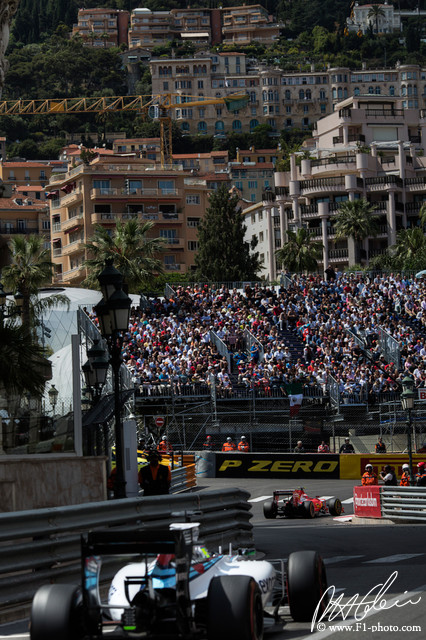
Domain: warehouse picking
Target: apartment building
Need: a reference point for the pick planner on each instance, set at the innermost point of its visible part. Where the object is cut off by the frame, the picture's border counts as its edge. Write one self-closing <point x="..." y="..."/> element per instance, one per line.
<point x="102" y="27"/>
<point x="150" y="29"/>
<point x="252" y="178"/>
<point x="244" y="25"/>
<point x="212" y="162"/>
<point x="148" y="148"/>
<point x="22" y="214"/>
<point x="119" y="187"/>
<point x="240" y="25"/>
<point x="28" y="173"/>
<point x="370" y="147"/>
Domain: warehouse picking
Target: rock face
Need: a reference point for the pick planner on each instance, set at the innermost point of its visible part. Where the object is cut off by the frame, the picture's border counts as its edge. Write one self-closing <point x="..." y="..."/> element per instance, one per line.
<point x="7" y="10"/>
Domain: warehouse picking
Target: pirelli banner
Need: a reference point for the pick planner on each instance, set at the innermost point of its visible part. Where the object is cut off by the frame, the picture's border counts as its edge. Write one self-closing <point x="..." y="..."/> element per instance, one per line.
<point x="352" y="466"/>
<point x="277" y="465"/>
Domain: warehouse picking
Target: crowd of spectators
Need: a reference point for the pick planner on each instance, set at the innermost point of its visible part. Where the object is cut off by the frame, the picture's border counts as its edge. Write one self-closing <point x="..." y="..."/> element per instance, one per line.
<point x="169" y="345"/>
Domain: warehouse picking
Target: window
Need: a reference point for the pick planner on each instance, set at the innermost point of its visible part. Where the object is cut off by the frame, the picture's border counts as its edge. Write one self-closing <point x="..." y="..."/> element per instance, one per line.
<point x="169" y="235"/>
<point x="202" y="127"/>
<point x="192" y="222"/>
<point x="193" y="199"/>
<point x="167" y="187"/>
<point x="219" y="126"/>
<point x="253" y="124"/>
<point x="165" y="86"/>
<point x="252" y="184"/>
<point x="200" y="84"/>
<point x="261" y="236"/>
<point x="391" y="91"/>
<point x="184" y="126"/>
<point x="236" y="125"/>
<point x="192" y="245"/>
<point x="102" y="185"/>
<point x="305" y="108"/>
<point x="133" y="186"/>
<point x="288" y="109"/>
<point x="322" y="94"/>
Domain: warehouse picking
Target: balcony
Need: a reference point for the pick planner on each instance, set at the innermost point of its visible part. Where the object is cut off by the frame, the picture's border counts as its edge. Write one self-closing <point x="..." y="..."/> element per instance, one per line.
<point x="72" y="223"/>
<point x="72" y="197"/>
<point x="73" y="247"/>
<point x="173" y="243"/>
<point x="322" y="185"/>
<point x="73" y="275"/>
<point x="415" y="184"/>
<point x="173" y="267"/>
<point x="56" y="227"/>
<point x="415" y="139"/>
<point x="338" y="254"/>
<point x="356" y="137"/>
<point x="56" y="253"/>
<point x="282" y="191"/>
<point x="383" y="182"/>
<point x="335" y="160"/>
<point x="138" y="193"/>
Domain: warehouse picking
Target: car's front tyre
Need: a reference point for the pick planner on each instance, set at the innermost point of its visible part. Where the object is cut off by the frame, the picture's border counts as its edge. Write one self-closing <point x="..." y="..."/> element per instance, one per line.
<point x="334" y="506"/>
<point x="306" y="585"/>
<point x="234" y="609"/>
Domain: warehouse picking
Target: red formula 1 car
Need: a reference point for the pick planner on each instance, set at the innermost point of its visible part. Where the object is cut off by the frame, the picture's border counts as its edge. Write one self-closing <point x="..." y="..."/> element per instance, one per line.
<point x="295" y="503"/>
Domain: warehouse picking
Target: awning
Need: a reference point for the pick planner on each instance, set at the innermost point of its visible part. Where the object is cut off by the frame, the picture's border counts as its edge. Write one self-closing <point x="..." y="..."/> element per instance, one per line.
<point x="53" y="194"/>
<point x="56" y="240"/>
<point x="195" y="34"/>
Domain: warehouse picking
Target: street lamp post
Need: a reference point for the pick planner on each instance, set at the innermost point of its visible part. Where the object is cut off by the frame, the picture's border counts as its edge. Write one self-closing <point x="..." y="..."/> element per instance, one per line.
<point x="95" y="372"/>
<point x="113" y="312"/>
<point x="407" y="401"/>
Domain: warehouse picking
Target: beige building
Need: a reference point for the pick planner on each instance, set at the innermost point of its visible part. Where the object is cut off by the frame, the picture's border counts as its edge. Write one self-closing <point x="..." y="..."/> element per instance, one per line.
<point x="370" y="147"/>
<point x="243" y="25"/>
<point x="201" y="26"/>
<point x="28" y="172"/>
<point x="22" y="215"/>
<point x="102" y="27"/>
<point x="119" y="187"/>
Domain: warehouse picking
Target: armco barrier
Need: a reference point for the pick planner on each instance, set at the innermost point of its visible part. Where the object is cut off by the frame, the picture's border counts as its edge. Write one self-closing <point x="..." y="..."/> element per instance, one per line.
<point x="43" y="546"/>
<point x="404" y="503"/>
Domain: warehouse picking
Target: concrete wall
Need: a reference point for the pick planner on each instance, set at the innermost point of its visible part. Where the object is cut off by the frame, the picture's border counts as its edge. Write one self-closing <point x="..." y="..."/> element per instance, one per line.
<point x="39" y="482"/>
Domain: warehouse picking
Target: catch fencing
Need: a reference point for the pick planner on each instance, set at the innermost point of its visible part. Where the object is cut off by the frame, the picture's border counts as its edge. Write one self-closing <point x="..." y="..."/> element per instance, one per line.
<point x="43" y="546"/>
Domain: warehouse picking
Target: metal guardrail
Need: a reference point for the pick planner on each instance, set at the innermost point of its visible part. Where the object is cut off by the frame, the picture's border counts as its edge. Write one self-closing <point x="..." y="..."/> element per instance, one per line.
<point x="221" y="347"/>
<point x="249" y="340"/>
<point x="389" y="347"/>
<point x="43" y="546"/>
<point x="404" y="503"/>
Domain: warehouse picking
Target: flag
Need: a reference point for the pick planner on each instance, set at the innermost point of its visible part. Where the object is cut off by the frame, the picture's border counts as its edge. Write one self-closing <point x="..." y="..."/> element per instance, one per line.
<point x="295" y="395"/>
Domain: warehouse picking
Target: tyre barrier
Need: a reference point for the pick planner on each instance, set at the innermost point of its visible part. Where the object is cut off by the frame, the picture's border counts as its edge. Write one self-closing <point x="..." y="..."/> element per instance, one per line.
<point x="43" y="546"/>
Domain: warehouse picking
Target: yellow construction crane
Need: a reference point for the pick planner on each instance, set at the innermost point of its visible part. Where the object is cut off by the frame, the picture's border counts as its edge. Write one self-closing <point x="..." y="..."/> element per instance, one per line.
<point x="156" y="106"/>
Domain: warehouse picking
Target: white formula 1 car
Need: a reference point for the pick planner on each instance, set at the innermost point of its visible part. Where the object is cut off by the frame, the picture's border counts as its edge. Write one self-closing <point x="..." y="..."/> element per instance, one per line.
<point x="173" y="588"/>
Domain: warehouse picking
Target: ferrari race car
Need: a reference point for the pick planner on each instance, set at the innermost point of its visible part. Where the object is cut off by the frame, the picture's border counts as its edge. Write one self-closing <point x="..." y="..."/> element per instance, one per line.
<point x="171" y="587"/>
<point x="295" y="503"/>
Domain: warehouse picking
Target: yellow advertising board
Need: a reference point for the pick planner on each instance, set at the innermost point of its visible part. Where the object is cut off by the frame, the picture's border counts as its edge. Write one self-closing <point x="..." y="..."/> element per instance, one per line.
<point x="352" y="465"/>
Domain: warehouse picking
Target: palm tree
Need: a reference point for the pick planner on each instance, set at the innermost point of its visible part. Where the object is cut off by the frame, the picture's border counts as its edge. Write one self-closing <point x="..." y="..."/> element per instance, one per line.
<point x="30" y="269"/>
<point x="355" y="220"/>
<point x="409" y="244"/>
<point x="132" y="251"/>
<point x="422" y="214"/>
<point x="376" y="12"/>
<point x="20" y="359"/>
<point x="300" y="253"/>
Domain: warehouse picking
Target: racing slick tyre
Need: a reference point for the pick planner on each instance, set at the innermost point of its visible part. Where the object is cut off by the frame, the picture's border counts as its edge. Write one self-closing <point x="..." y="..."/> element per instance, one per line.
<point x="270" y="509"/>
<point x="308" y="509"/>
<point x="306" y="585"/>
<point x="57" y="613"/>
<point x="334" y="506"/>
<point x="234" y="609"/>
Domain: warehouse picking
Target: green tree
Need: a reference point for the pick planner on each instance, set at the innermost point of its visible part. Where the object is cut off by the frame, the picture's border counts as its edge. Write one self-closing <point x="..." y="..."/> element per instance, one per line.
<point x="133" y="252"/>
<point x="223" y="254"/>
<point x="301" y="252"/>
<point x="422" y="214"/>
<point x="376" y="12"/>
<point x="355" y="220"/>
<point x="30" y="269"/>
